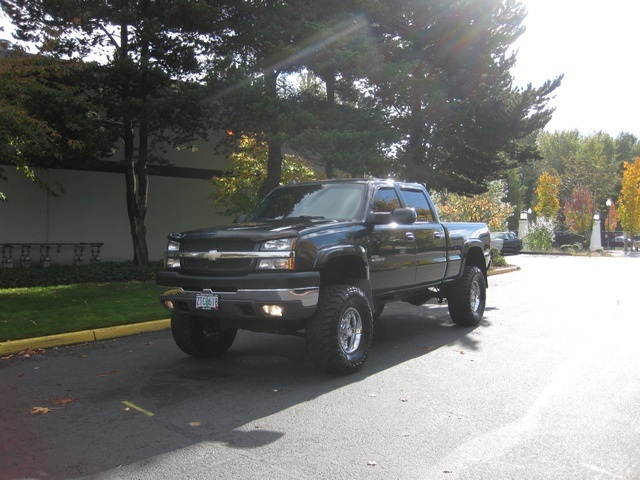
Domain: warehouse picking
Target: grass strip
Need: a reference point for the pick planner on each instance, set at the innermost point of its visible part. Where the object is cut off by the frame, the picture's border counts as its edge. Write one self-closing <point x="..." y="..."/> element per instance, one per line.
<point x="39" y="311"/>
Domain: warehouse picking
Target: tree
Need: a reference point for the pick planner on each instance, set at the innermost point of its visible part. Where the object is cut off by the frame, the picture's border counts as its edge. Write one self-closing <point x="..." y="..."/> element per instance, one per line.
<point x="151" y="51"/>
<point x="593" y="166"/>
<point x="548" y="201"/>
<point x="237" y="192"/>
<point x="449" y="93"/>
<point x="45" y="120"/>
<point x="578" y="211"/>
<point x="487" y="207"/>
<point x="630" y="198"/>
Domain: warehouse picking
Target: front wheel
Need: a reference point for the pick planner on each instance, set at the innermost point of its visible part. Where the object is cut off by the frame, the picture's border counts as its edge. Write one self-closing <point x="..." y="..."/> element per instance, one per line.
<point x="338" y="335"/>
<point x="199" y="338"/>
<point x="468" y="298"/>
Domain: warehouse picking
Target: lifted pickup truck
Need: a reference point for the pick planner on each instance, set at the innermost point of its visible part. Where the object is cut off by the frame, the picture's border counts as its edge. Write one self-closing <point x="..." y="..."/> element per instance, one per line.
<point x="321" y="260"/>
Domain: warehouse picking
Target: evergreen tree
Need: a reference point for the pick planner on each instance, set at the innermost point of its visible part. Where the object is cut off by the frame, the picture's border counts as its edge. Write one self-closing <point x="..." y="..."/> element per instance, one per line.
<point x="449" y="91"/>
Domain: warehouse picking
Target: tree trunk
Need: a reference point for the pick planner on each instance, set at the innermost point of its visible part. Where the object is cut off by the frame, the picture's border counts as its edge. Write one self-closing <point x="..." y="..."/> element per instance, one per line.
<point x="330" y="82"/>
<point x="274" y="159"/>
<point x="136" y="176"/>
<point x="137" y="183"/>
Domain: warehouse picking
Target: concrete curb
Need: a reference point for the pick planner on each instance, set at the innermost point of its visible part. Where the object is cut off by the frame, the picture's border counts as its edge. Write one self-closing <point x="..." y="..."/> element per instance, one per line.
<point x="498" y="271"/>
<point x="16" y="346"/>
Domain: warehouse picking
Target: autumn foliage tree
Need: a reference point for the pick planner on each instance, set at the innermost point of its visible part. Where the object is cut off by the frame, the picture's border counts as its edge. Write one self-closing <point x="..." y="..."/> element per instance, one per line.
<point x="630" y="198"/>
<point x="548" y="192"/>
<point x="578" y="210"/>
<point x="237" y="191"/>
<point x="487" y="207"/>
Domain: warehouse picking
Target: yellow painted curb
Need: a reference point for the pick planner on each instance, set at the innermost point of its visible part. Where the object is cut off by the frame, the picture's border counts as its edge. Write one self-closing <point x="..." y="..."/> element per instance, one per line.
<point x="15" y="346"/>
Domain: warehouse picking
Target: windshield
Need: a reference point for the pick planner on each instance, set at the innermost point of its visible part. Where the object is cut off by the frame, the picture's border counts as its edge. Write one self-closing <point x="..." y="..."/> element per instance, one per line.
<point x="317" y="201"/>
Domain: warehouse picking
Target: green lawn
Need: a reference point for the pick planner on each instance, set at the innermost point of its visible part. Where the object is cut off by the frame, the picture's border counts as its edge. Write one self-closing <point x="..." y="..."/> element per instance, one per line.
<point x="38" y="311"/>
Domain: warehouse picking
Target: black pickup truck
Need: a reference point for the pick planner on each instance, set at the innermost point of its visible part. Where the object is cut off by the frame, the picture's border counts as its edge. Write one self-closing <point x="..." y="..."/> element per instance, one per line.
<point x="321" y="260"/>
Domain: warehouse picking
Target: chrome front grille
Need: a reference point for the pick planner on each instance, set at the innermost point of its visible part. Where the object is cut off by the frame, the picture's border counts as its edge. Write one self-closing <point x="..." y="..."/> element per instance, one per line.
<point x="223" y="265"/>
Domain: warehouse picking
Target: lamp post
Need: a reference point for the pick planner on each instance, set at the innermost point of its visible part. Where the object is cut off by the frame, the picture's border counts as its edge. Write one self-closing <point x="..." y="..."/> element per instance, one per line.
<point x="609" y="203"/>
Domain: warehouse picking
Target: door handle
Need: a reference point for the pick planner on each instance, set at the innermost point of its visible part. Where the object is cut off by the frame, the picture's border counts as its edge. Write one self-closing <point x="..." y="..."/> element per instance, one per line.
<point x="438" y="234"/>
<point x="410" y="236"/>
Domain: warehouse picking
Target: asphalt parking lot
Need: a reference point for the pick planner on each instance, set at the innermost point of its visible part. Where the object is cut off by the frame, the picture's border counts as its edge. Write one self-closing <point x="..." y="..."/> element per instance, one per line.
<point x="546" y="386"/>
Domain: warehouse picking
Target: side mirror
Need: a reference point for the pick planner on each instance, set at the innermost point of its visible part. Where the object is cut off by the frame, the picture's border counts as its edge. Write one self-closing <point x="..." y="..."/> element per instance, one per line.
<point x="404" y="216"/>
<point x="240" y="218"/>
<point x="379" y="218"/>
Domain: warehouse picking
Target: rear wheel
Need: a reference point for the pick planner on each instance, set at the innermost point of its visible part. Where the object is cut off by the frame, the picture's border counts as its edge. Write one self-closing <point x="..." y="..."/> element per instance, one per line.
<point x="338" y="336"/>
<point x="197" y="337"/>
<point x="467" y="298"/>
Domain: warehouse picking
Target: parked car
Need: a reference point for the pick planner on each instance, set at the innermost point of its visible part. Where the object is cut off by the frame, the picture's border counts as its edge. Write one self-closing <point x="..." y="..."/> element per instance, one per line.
<point x="633" y="244"/>
<point x="506" y="242"/>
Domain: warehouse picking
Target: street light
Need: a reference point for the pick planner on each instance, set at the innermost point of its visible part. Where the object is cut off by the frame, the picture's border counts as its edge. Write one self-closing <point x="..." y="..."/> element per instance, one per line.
<point x="609" y="203"/>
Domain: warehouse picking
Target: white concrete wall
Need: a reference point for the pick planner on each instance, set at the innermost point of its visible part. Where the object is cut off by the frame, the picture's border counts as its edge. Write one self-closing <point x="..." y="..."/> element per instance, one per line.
<point x="93" y="209"/>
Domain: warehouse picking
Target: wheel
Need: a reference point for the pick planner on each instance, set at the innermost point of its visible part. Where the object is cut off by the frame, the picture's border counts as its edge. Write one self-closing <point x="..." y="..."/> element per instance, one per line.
<point x="338" y="335"/>
<point x="199" y="339"/>
<point x="468" y="297"/>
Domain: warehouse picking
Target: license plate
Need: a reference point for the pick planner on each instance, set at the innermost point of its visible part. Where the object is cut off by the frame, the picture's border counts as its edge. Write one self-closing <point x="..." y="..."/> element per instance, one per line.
<point x="207" y="301"/>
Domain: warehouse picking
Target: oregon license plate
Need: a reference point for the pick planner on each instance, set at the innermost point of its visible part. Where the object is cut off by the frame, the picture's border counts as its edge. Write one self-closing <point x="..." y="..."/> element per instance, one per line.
<point x="207" y="301"/>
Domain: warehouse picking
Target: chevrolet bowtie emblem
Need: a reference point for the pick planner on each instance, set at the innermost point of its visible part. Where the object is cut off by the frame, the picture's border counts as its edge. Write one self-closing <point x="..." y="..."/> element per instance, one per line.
<point x="212" y="255"/>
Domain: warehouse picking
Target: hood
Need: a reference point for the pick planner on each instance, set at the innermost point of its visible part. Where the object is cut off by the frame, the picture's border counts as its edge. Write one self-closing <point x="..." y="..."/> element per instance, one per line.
<point x="258" y="231"/>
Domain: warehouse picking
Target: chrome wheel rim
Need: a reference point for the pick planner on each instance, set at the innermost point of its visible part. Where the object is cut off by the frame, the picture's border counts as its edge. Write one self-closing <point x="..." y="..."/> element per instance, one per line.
<point x="475" y="296"/>
<point x="350" y="330"/>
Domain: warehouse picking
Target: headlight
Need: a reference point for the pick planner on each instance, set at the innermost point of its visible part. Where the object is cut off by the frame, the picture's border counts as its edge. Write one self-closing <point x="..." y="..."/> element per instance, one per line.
<point x="282" y="262"/>
<point x="279" y="244"/>
<point x="171" y="261"/>
<point x="276" y="264"/>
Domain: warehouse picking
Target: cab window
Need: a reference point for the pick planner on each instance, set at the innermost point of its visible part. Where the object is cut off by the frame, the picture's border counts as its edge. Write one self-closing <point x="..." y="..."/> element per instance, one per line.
<point x="417" y="200"/>
<point x="386" y="200"/>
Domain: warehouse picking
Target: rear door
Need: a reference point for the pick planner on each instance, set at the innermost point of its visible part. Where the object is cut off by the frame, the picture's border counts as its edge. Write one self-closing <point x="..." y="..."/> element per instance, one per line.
<point x="430" y="239"/>
<point x="392" y="249"/>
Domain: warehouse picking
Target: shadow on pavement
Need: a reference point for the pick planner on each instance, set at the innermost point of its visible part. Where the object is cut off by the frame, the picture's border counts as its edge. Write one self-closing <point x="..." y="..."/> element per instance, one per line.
<point x="174" y="401"/>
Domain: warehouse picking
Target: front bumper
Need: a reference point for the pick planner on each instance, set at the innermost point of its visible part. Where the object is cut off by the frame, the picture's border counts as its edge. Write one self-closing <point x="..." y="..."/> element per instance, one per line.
<point x="243" y="298"/>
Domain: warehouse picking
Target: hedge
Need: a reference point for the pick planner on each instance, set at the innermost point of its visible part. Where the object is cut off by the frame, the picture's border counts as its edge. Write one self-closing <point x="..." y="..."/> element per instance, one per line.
<point x="68" y="274"/>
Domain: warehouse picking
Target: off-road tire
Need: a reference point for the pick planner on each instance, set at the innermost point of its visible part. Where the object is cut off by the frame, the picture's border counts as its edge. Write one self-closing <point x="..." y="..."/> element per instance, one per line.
<point x="338" y="336"/>
<point x="198" y="338"/>
<point x="468" y="297"/>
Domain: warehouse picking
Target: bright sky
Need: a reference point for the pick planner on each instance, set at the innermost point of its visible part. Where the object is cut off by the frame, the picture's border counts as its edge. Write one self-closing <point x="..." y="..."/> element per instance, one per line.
<point x="596" y="45"/>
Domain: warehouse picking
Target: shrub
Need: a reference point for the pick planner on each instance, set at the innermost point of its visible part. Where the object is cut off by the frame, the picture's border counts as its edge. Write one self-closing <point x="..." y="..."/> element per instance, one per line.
<point x="497" y="259"/>
<point x="69" y="274"/>
<point x="539" y="237"/>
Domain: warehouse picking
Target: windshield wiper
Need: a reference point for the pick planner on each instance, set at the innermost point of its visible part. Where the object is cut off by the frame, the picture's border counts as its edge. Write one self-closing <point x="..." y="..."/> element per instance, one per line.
<point x="309" y="217"/>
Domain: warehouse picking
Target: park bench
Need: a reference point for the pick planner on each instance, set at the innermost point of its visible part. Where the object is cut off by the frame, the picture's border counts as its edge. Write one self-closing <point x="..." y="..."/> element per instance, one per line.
<point x="45" y="250"/>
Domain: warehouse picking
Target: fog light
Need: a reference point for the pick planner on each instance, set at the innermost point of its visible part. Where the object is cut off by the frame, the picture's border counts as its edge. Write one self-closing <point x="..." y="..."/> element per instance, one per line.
<point x="172" y="262"/>
<point x="272" y="310"/>
<point x="168" y="304"/>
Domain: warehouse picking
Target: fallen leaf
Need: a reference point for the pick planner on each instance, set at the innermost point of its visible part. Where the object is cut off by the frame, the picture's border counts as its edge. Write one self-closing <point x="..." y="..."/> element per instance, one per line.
<point x="7" y="357"/>
<point x="404" y="399"/>
<point x="63" y="401"/>
<point x="28" y="352"/>
<point x="112" y="372"/>
<point x="40" y="410"/>
<point x="194" y="424"/>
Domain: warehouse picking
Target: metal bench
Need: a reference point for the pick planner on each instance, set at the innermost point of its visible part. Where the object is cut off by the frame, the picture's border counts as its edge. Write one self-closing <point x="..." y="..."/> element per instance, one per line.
<point x="45" y="251"/>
